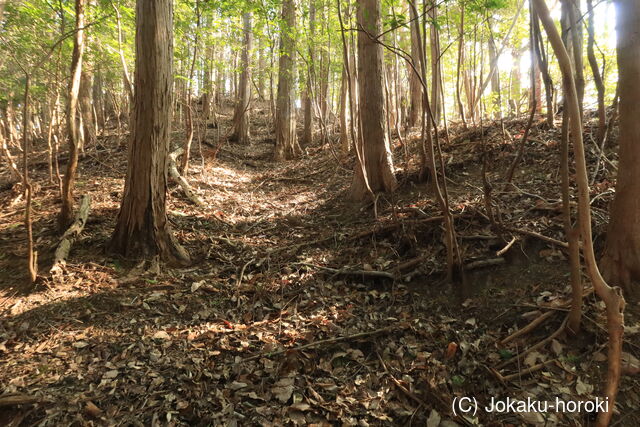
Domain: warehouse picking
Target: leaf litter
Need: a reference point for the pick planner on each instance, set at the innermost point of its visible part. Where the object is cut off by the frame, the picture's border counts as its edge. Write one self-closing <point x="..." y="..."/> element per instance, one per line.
<point x="254" y="334"/>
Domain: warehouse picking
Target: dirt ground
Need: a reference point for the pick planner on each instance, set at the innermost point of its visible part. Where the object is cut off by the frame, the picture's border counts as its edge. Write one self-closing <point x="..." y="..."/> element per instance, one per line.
<point x="280" y="320"/>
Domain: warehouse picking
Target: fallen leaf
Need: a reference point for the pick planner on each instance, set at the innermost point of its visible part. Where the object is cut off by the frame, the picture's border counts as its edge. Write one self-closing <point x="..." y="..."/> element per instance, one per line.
<point x="434" y="419"/>
<point x="451" y="350"/>
<point x="630" y="365"/>
<point x="300" y="406"/>
<point x="557" y="347"/>
<point x="161" y="335"/>
<point x="583" y="388"/>
<point x="283" y="389"/>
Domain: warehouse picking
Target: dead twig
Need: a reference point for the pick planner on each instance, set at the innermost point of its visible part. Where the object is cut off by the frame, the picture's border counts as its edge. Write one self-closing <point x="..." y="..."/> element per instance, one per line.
<point x="370" y="273"/>
<point x="327" y="341"/>
<point x="530" y="327"/>
<point x="541" y="344"/>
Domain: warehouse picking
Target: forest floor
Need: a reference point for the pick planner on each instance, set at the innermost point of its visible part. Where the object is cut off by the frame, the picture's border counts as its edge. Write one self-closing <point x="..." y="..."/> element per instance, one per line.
<point x="282" y="320"/>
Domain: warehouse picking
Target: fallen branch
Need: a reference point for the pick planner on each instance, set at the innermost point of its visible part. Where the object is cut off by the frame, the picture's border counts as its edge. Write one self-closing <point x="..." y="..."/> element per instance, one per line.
<point x="70" y="236"/>
<point x="370" y="273"/>
<point x="506" y="248"/>
<point x="14" y="399"/>
<point x="539" y="236"/>
<point x="186" y="188"/>
<point x="541" y="344"/>
<point x="530" y="327"/>
<point x="323" y="342"/>
<point x="531" y="370"/>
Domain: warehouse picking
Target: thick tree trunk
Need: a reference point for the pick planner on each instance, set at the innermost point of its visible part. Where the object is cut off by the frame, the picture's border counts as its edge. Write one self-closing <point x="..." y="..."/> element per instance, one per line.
<point x="66" y="213"/>
<point x="142" y="228"/>
<point x="376" y="153"/>
<point x="241" y="116"/>
<point x="621" y="259"/>
<point x="287" y="146"/>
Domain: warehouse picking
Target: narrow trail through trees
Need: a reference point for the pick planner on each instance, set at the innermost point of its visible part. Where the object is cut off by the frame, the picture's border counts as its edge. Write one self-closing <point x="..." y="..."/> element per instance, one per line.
<point x="297" y="297"/>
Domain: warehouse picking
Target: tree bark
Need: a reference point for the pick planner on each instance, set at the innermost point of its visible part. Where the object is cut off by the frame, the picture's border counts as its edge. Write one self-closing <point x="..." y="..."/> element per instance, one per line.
<point x="597" y="77"/>
<point x="241" y="116"/>
<point x="614" y="302"/>
<point x="307" y="137"/>
<point x="436" y="75"/>
<point x="543" y="66"/>
<point x="460" y="64"/>
<point x="345" y="142"/>
<point x="86" y="109"/>
<point x="415" y="90"/>
<point x="621" y="259"/>
<point x="287" y="146"/>
<point x="66" y="212"/>
<point x="377" y="159"/>
<point x="142" y="228"/>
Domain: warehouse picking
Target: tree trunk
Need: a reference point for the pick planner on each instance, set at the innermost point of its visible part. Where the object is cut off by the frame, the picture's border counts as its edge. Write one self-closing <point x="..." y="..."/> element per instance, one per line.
<point x="436" y="75"/>
<point x="415" y="90"/>
<point x="460" y="64"/>
<point x="142" y="228"/>
<point x="307" y="137"/>
<point x="66" y="213"/>
<point x="597" y="77"/>
<point x="543" y="66"/>
<point x="495" y="78"/>
<point x="260" y="71"/>
<point x="241" y="116"/>
<point x="345" y="143"/>
<point x="572" y="31"/>
<point x="188" y="105"/>
<point x="376" y="153"/>
<point x="86" y="109"/>
<point x="614" y="302"/>
<point x="621" y="259"/>
<point x="323" y="72"/>
<point x="287" y="146"/>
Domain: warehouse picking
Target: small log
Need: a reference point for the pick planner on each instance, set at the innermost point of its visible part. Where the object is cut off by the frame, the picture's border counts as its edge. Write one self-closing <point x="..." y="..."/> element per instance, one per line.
<point x="69" y="237"/>
<point x="186" y="188"/>
<point x="15" y="399"/>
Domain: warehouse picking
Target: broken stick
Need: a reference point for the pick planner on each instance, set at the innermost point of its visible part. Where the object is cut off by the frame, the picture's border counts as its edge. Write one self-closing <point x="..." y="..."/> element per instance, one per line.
<point x="186" y="188"/>
<point x="70" y="236"/>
